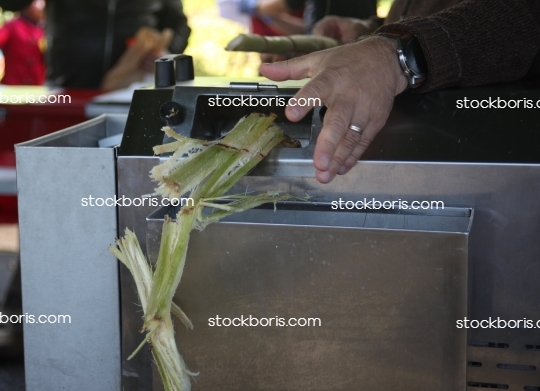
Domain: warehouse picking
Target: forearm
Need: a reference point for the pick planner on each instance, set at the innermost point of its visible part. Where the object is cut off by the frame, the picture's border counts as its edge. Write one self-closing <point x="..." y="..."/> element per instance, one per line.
<point x="476" y="42"/>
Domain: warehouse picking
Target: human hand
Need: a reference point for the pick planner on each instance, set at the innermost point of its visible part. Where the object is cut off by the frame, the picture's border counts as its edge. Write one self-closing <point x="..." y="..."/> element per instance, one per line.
<point x="270" y="58"/>
<point x="344" y="30"/>
<point x="357" y="83"/>
<point x="148" y="62"/>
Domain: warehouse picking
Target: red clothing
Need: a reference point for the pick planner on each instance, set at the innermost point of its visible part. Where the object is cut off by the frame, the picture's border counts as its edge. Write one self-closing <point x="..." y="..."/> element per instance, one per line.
<point x="259" y="26"/>
<point x="23" y="43"/>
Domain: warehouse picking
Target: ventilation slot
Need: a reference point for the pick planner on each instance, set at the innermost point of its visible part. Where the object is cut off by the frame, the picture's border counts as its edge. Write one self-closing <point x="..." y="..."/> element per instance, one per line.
<point x="530" y="388"/>
<point x="489" y="345"/>
<point x="517" y="367"/>
<point x="488" y="385"/>
<point x="475" y="364"/>
<point x="532" y="347"/>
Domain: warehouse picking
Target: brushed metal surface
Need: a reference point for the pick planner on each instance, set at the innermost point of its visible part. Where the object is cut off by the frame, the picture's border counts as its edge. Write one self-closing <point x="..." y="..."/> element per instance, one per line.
<point x="387" y="301"/>
<point x="65" y="266"/>
<point x="503" y="253"/>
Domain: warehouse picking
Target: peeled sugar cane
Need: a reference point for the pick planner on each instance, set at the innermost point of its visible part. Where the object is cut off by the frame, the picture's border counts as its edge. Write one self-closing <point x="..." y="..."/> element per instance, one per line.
<point x="280" y="45"/>
<point x="207" y="170"/>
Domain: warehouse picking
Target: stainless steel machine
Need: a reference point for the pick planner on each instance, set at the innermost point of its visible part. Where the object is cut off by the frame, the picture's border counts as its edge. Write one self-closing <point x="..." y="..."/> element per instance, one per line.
<point x="388" y="286"/>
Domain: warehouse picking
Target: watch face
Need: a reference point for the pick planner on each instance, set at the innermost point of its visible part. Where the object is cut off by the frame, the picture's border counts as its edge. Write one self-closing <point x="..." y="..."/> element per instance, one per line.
<point x="411" y="57"/>
<point x="415" y="57"/>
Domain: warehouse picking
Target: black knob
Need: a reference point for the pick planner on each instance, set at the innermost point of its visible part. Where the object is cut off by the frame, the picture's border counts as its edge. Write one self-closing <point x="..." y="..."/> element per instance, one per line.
<point x="171" y="113"/>
<point x="184" y="67"/>
<point x="164" y="72"/>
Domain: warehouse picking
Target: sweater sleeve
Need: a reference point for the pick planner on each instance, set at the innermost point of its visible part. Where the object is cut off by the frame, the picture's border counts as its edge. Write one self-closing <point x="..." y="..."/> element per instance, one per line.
<point x="476" y="42"/>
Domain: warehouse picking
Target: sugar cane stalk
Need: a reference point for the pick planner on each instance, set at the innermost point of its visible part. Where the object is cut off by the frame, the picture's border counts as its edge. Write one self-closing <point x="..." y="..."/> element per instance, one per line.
<point x="209" y="170"/>
<point x="280" y="45"/>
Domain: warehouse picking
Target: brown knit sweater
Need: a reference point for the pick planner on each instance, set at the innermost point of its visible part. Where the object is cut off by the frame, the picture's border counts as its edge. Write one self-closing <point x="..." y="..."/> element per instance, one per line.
<point x="402" y="9"/>
<point x="477" y="42"/>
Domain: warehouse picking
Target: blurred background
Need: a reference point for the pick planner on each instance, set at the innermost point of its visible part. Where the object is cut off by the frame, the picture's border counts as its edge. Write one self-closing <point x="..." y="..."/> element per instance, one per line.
<point x="210" y="33"/>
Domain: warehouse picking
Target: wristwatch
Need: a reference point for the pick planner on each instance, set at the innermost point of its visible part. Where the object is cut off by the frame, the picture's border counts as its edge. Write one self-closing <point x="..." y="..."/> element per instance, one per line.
<point x="410" y="56"/>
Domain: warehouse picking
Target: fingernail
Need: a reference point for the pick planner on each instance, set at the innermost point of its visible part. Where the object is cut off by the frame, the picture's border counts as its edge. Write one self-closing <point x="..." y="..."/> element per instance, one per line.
<point x="343" y="170"/>
<point x="295" y="112"/>
<point x="324" y="162"/>
<point x="325" y="176"/>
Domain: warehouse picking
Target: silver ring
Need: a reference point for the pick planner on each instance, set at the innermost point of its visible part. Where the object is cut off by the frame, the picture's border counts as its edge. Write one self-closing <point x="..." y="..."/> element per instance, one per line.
<point x="357" y="129"/>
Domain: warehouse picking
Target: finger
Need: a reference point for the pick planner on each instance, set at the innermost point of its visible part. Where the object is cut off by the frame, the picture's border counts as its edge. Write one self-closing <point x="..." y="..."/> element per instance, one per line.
<point x="326" y="27"/>
<point x="346" y="146"/>
<point x="376" y="121"/>
<point x="295" y="68"/>
<point x="267" y="57"/>
<point x="316" y="91"/>
<point x="319" y="28"/>
<point x="365" y="141"/>
<point x="336" y="123"/>
<point x="343" y="153"/>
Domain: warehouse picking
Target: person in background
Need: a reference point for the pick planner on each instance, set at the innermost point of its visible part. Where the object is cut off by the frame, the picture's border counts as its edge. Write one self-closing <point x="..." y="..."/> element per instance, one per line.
<point x="274" y="19"/>
<point x="279" y="12"/>
<point x="230" y="9"/>
<point x="87" y="38"/>
<point x="315" y="10"/>
<point x="22" y="42"/>
<point x="348" y="29"/>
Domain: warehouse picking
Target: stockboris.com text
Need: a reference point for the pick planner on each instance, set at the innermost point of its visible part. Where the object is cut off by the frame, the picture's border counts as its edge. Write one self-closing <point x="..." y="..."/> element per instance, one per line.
<point x="273" y="101"/>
